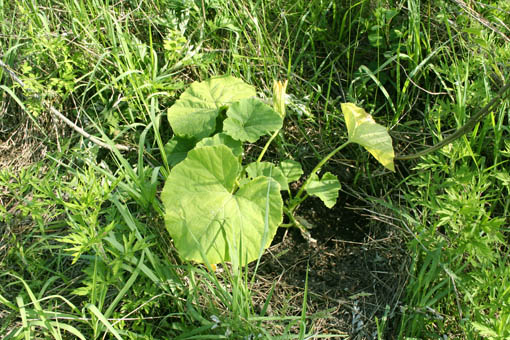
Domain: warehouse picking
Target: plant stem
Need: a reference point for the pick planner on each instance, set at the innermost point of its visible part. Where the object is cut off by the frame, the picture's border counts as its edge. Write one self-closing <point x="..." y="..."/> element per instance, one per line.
<point x="297" y="199"/>
<point x="501" y="95"/>
<point x="267" y="145"/>
<point x="293" y="222"/>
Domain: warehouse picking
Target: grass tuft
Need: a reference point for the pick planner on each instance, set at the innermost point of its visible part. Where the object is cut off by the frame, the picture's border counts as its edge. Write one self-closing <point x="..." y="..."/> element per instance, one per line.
<point x="84" y="252"/>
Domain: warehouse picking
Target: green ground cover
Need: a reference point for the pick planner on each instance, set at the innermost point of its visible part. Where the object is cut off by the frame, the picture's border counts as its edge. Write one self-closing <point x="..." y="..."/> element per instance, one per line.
<point x="86" y="147"/>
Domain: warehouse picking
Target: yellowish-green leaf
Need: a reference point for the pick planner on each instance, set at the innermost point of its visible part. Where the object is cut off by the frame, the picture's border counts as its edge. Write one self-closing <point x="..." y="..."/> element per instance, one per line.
<point x="256" y="169"/>
<point x="363" y="130"/>
<point x="223" y="139"/>
<point x="209" y="218"/>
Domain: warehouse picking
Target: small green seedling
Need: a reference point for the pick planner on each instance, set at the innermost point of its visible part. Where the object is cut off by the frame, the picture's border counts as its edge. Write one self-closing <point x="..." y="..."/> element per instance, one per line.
<point x="218" y="209"/>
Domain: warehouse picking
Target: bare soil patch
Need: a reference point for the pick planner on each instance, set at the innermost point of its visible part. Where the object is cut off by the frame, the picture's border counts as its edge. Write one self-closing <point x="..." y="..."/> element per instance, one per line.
<point x="356" y="271"/>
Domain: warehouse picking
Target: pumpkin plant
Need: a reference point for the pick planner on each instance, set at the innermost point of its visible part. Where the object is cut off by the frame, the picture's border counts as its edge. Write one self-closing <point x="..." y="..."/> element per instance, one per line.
<point x="219" y="209"/>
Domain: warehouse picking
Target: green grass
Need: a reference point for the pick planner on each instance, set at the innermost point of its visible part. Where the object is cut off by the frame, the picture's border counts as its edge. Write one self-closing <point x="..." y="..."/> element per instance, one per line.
<point x="84" y="252"/>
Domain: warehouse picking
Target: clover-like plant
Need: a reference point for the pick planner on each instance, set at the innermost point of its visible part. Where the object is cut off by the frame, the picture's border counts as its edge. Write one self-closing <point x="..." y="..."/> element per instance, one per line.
<point x="219" y="209"/>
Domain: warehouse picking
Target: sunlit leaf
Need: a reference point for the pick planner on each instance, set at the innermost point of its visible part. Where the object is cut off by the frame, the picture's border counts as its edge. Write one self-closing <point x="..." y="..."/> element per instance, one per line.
<point x="363" y="130"/>
<point x="223" y="139"/>
<point x="212" y="221"/>
<point x="194" y="113"/>
<point x="267" y="169"/>
<point x="249" y="119"/>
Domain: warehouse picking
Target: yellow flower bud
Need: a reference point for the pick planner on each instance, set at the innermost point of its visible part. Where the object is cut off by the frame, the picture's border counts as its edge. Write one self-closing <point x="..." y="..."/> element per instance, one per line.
<point x="279" y="96"/>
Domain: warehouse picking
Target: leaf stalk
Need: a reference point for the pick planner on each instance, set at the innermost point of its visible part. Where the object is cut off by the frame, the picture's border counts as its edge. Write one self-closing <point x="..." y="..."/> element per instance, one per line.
<point x="298" y="198"/>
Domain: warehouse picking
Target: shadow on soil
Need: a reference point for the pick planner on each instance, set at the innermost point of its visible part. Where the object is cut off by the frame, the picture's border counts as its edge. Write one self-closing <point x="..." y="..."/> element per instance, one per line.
<point x="356" y="272"/>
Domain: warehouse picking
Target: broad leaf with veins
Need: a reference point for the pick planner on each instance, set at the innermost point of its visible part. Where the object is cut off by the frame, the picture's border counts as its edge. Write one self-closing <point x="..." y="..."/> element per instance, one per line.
<point x="223" y="139"/>
<point x="325" y="188"/>
<point x="209" y="218"/>
<point x="362" y="129"/>
<point x="249" y="119"/>
<point x="291" y="169"/>
<point x="267" y="169"/>
<point x="194" y="113"/>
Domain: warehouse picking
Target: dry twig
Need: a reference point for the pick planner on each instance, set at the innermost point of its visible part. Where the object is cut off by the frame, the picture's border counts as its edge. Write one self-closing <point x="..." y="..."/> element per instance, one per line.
<point x="63" y="118"/>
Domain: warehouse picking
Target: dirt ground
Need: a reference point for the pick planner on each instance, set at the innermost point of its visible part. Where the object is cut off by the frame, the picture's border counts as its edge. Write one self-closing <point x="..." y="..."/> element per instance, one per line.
<point x="356" y="271"/>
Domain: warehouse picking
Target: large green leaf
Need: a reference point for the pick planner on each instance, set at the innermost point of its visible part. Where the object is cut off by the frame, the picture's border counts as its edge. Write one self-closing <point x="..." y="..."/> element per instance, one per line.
<point x="208" y="219"/>
<point x="223" y="139"/>
<point x="267" y="169"/>
<point x="325" y="188"/>
<point x="249" y="119"/>
<point x="194" y="113"/>
<point x="362" y="129"/>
